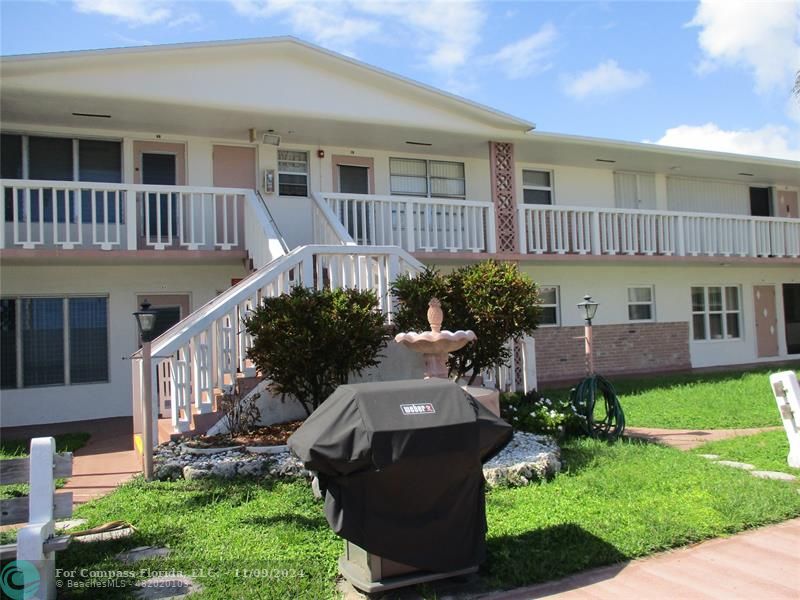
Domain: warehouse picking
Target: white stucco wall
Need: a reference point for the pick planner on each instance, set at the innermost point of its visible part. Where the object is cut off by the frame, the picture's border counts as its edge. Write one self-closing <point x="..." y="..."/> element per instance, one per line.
<point x="608" y="285"/>
<point x="122" y="285"/>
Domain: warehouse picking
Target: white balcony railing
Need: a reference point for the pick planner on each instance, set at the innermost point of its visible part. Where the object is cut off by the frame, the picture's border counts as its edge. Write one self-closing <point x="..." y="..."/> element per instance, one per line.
<point x="415" y="224"/>
<point x="68" y="215"/>
<point x="608" y="231"/>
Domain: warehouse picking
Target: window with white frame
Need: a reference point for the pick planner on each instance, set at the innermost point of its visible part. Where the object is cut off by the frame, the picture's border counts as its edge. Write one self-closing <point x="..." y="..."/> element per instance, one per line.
<point x="641" y="303"/>
<point x="716" y="312"/>
<point x="537" y="187"/>
<point x="548" y="306"/>
<point x="292" y="173"/>
<point x="429" y="178"/>
<point x="53" y="340"/>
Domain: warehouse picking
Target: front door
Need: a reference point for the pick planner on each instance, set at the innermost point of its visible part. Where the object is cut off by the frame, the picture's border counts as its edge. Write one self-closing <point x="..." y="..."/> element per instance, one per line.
<point x="788" y="204"/>
<point x="161" y="164"/>
<point x="766" y="320"/>
<point x="791" y="312"/>
<point x="234" y="167"/>
<point x="170" y="309"/>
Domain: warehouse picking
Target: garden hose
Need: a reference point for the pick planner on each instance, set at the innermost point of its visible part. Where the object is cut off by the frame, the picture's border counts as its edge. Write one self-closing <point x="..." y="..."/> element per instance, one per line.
<point x="584" y="398"/>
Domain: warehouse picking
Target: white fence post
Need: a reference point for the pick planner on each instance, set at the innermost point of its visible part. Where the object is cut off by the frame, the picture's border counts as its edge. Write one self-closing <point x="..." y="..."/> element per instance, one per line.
<point x="31" y="538"/>
<point x="787" y="394"/>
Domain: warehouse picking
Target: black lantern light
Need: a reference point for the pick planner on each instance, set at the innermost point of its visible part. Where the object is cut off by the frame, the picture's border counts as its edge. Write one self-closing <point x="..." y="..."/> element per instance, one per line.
<point x="145" y="320"/>
<point x="589" y="308"/>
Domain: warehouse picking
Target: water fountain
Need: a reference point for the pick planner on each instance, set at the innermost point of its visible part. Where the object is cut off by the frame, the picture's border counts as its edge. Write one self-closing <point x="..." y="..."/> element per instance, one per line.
<point x="436" y="345"/>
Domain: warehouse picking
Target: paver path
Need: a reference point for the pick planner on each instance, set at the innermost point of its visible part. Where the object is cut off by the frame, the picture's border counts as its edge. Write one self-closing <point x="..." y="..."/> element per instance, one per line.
<point x="686" y="439"/>
<point x="761" y="564"/>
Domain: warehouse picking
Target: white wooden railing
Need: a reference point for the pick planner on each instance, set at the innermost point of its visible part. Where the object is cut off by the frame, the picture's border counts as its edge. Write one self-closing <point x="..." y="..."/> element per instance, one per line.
<point x="206" y="350"/>
<point x="68" y="215"/>
<point x="415" y="224"/>
<point x="610" y="231"/>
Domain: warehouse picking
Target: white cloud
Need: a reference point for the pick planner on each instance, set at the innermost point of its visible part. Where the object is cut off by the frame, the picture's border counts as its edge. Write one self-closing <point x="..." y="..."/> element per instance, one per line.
<point x="605" y="79"/>
<point x="446" y="31"/>
<point x="762" y="36"/>
<point x="324" y="22"/>
<point x="526" y="56"/>
<point x="770" y="140"/>
<point x="132" y="12"/>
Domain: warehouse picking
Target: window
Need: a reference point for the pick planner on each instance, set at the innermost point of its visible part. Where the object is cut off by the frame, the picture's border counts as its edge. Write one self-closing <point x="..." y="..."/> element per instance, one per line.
<point x="537" y="187"/>
<point x="292" y="173"/>
<point x="640" y="303"/>
<point x="60" y="340"/>
<point x="429" y="178"/>
<point x="716" y="313"/>
<point x="548" y="306"/>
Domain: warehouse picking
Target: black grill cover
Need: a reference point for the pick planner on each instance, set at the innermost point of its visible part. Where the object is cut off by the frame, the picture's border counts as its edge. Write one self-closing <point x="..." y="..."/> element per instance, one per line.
<point x="401" y="463"/>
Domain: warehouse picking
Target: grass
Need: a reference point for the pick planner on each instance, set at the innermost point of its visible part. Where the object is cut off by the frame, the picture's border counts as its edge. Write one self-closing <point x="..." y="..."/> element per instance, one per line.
<point x="725" y="400"/>
<point x="612" y="503"/>
<point x="767" y="450"/>
<point x="66" y="442"/>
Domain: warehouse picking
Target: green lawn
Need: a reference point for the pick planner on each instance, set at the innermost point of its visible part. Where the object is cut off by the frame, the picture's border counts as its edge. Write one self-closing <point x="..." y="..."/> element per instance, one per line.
<point x="726" y="400"/>
<point x="18" y="448"/>
<point x="65" y="442"/>
<point x="613" y="502"/>
<point x="767" y="450"/>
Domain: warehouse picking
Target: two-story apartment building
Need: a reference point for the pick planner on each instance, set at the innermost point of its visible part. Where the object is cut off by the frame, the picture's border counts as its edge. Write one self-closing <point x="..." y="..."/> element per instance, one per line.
<point x="173" y="172"/>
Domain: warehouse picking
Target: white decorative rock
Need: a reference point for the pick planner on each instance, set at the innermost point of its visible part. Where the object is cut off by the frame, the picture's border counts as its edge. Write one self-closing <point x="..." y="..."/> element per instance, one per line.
<point x="526" y="458"/>
<point x="190" y="472"/>
<point x="773" y="475"/>
<point x="736" y="465"/>
<point x="226" y="469"/>
<point x="710" y="456"/>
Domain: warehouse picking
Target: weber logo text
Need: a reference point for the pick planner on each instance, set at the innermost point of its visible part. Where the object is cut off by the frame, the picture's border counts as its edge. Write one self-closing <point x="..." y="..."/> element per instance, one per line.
<point x="417" y="409"/>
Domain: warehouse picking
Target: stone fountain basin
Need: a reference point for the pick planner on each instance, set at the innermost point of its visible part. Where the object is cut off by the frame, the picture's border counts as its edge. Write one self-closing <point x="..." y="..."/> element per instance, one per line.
<point x="430" y="342"/>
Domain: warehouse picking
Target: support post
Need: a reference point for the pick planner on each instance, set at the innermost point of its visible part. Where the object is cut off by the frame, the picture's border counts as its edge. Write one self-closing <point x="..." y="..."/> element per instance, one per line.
<point x="588" y="347"/>
<point x="147" y="412"/>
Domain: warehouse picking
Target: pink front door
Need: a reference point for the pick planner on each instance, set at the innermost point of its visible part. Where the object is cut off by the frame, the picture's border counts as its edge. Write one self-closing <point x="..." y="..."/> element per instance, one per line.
<point x="788" y="205"/>
<point x="766" y="320"/>
<point x="235" y="167"/>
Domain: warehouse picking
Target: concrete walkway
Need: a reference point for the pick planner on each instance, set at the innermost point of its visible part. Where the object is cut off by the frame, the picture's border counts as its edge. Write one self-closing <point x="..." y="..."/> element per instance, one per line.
<point x="761" y="564"/>
<point x="686" y="439"/>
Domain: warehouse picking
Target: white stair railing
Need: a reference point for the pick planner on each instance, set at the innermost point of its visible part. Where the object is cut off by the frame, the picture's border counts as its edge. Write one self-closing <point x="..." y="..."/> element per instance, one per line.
<point x="415" y="224"/>
<point x="207" y="350"/>
<point x="612" y="231"/>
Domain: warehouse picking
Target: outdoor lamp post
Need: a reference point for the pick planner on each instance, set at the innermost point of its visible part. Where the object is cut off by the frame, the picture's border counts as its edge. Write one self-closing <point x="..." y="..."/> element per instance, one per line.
<point x="588" y="308"/>
<point x="145" y="321"/>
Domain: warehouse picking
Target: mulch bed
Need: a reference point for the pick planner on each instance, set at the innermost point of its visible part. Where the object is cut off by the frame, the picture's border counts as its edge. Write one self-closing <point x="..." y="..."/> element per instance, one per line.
<point x="271" y="435"/>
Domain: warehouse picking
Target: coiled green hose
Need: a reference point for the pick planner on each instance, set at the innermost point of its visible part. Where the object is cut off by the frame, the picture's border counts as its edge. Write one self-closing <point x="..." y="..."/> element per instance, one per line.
<point x="584" y="398"/>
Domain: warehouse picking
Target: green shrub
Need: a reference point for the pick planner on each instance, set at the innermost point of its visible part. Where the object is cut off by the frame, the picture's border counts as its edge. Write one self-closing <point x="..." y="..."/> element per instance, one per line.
<point x="491" y="298"/>
<point x="535" y="413"/>
<point x="308" y="342"/>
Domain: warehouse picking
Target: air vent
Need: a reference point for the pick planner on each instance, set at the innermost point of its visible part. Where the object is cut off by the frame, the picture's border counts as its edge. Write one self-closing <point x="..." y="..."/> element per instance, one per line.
<point x="746" y="174"/>
<point x="605" y="160"/>
<point x="419" y="143"/>
<point x="92" y="115"/>
<point x="271" y="139"/>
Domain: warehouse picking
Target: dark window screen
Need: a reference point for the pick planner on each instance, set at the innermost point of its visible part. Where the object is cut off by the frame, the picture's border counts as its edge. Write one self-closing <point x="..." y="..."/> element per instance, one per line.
<point x="88" y="340"/>
<point x="158" y="169"/>
<point x="42" y="341"/>
<point x="759" y="202"/>
<point x="50" y="158"/>
<point x="8" y="343"/>
<point x="100" y="160"/>
<point x="10" y="167"/>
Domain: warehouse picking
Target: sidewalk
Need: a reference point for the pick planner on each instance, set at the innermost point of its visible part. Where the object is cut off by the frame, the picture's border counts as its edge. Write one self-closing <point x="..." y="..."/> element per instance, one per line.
<point x="763" y="564"/>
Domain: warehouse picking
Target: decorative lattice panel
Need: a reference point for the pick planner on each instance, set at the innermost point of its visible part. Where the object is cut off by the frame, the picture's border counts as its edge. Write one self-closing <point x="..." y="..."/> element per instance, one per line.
<point x="504" y="195"/>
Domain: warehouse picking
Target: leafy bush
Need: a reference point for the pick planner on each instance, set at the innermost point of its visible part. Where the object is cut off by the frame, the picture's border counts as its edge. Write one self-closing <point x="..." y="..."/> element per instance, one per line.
<point x="491" y="298"/>
<point x="534" y="413"/>
<point x="308" y="342"/>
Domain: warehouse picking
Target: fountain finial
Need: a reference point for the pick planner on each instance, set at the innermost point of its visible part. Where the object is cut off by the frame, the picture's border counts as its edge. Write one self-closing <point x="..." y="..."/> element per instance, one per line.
<point x="435" y="315"/>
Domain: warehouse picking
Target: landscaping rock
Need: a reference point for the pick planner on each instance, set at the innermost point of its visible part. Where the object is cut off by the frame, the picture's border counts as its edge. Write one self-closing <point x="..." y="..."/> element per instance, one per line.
<point x="526" y="458"/>
<point x="253" y="468"/>
<point x="773" y="475"/>
<point x="163" y="588"/>
<point x="142" y="553"/>
<point x="226" y="469"/>
<point x="191" y="472"/>
<point x="169" y="471"/>
<point x="737" y="465"/>
<point x="710" y="456"/>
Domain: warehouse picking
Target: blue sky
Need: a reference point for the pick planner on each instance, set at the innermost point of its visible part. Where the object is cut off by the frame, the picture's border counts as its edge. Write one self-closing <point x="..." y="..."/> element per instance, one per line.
<point x="708" y="74"/>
